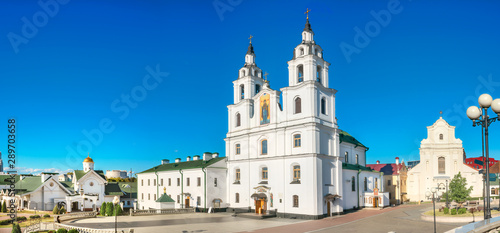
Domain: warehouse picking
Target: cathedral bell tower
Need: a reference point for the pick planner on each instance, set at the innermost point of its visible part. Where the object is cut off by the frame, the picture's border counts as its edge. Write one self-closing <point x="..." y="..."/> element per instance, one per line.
<point x="307" y="63"/>
<point x="249" y="80"/>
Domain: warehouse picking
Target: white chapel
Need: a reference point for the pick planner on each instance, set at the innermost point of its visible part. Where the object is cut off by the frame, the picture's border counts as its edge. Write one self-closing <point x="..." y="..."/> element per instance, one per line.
<point x="441" y="158"/>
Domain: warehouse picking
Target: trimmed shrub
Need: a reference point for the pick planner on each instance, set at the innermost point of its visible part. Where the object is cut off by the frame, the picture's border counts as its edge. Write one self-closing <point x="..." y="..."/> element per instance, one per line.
<point x="21" y="218"/>
<point x="446" y="210"/>
<point x="73" y="231"/>
<point x="103" y="209"/>
<point x="109" y="209"/>
<point x="61" y="230"/>
<point x="453" y="211"/>
<point x="462" y="211"/>
<point x="55" y="210"/>
<point x="5" y="222"/>
<point x="62" y="210"/>
<point x="46" y="215"/>
<point x="118" y="210"/>
<point x="16" y="228"/>
<point x="4" y="207"/>
<point x="34" y="216"/>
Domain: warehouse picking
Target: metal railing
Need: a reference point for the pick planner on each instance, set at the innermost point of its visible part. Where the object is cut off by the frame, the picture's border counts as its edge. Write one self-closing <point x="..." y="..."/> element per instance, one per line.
<point x="161" y="211"/>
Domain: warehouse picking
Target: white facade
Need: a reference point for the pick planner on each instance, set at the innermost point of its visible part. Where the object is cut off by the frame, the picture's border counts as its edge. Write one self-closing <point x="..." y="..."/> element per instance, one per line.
<point x="197" y="183"/>
<point x="291" y="161"/>
<point x="441" y="158"/>
<point x="116" y="174"/>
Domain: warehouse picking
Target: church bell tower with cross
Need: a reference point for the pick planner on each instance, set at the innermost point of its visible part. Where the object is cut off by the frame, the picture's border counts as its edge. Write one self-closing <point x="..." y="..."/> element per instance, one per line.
<point x="249" y="80"/>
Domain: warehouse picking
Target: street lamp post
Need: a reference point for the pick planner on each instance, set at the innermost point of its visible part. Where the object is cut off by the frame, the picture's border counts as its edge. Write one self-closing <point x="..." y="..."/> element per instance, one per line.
<point x="479" y="116"/>
<point x="115" y="202"/>
<point x="433" y="193"/>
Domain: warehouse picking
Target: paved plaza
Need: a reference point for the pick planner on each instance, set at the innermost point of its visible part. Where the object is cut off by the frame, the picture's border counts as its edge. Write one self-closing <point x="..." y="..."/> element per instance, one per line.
<point x="405" y="218"/>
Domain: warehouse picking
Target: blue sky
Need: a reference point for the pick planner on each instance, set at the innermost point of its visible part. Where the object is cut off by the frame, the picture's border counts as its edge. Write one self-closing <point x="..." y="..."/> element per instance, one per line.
<point x="69" y="69"/>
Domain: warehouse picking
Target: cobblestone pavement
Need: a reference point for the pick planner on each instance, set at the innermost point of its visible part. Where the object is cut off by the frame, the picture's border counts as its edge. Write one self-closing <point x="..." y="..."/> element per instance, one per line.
<point x="405" y="218"/>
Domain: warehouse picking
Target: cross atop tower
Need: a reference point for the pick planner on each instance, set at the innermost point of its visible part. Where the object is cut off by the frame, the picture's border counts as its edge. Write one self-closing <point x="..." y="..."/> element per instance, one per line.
<point x="265" y="76"/>
<point x="307" y="12"/>
<point x="250" y="38"/>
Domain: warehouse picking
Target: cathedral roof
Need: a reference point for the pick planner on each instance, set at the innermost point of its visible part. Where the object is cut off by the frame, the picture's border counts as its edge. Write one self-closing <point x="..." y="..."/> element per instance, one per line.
<point x="250" y="49"/>
<point x="88" y="160"/>
<point x="183" y="165"/>
<point x="346" y="137"/>
<point x="308" y="28"/>
<point x="355" y="167"/>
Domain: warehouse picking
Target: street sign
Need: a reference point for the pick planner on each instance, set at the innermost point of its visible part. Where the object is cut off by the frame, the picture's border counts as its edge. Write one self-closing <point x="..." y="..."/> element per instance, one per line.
<point x="478" y="162"/>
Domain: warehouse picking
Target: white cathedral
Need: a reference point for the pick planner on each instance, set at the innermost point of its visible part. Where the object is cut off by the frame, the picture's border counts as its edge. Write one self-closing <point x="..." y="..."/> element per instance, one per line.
<point x="293" y="159"/>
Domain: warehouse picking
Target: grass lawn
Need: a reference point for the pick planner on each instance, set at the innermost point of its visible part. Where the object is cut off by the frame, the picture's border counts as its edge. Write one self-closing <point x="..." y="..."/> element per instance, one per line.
<point x="431" y="213"/>
<point x="25" y="223"/>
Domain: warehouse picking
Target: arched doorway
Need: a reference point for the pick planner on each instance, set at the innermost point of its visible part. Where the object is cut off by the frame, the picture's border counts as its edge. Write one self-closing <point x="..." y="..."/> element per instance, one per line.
<point x="260" y="202"/>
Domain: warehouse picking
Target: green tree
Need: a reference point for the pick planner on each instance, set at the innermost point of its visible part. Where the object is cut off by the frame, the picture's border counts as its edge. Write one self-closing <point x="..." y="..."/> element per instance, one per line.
<point x="103" y="209"/>
<point x="62" y="230"/>
<point x="16" y="228"/>
<point x="4" y="207"/>
<point x="118" y="210"/>
<point x="55" y="210"/>
<point x="109" y="209"/>
<point x="457" y="190"/>
<point x="62" y="210"/>
<point x="73" y="231"/>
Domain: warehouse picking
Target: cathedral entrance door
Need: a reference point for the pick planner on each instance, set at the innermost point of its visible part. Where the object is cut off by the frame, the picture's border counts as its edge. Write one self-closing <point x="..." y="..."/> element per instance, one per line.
<point x="375" y="202"/>
<point x="328" y="208"/>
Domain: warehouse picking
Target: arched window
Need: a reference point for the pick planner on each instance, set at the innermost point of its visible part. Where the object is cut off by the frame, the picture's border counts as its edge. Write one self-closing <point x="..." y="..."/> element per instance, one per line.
<point x="264" y="173"/>
<point x="346" y="157"/>
<point x="237" y="174"/>
<point x="441" y="165"/>
<point x="257" y="89"/>
<point x="440" y="136"/>
<point x="300" y="70"/>
<point x="238" y="149"/>
<point x="357" y="161"/>
<point x="296" y="140"/>
<point x="295" y="200"/>
<point x="301" y="51"/>
<point x="238" y="119"/>
<point x="263" y="147"/>
<point x="323" y="106"/>
<point x="242" y="91"/>
<point x="243" y="73"/>
<point x="296" y="172"/>
<point x="376" y="183"/>
<point x="318" y="74"/>
<point x="298" y="105"/>
<point x="237" y="198"/>
<point x="366" y="184"/>
<point x="353" y="181"/>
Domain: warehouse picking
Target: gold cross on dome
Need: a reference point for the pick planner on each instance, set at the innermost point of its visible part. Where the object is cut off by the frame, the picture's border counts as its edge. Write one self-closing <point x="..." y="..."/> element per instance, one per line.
<point x="265" y="76"/>
<point x="250" y="38"/>
<point x="441" y="112"/>
<point x="307" y="12"/>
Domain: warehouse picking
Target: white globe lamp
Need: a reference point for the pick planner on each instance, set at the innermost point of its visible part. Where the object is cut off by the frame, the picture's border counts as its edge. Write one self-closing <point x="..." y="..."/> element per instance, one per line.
<point x="473" y="113"/>
<point x="485" y="100"/>
<point x="495" y="105"/>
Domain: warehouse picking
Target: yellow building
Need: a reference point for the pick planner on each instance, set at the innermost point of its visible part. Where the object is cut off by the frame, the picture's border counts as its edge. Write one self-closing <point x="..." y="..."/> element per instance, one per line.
<point x="395" y="175"/>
